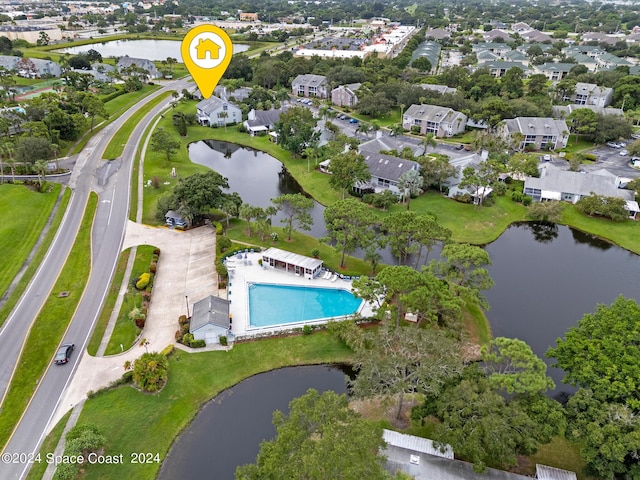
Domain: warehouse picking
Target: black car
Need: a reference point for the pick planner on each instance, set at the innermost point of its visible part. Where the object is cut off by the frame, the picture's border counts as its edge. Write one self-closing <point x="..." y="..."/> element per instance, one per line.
<point x="64" y="353"/>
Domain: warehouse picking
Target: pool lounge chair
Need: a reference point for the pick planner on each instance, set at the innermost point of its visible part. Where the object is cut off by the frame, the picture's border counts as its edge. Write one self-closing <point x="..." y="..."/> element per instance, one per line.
<point x="334" y="278"/>
<point x="327" y="275"/>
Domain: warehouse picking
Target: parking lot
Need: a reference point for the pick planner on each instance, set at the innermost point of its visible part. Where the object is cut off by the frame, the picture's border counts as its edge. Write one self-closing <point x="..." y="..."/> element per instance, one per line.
<point x="612" y="160"/>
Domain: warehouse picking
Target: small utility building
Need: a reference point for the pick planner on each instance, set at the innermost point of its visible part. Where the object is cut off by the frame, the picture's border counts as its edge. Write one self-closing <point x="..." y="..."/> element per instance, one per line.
<point x="210" y="319"/>
<point x="292" y="262"/>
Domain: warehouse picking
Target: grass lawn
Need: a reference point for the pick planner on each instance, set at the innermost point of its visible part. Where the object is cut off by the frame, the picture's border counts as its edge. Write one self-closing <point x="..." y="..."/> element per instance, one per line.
<point x="49" y="327"/>
<point x="303" y="245"/>
<point x="150" y="423"/>
<point x="126" y="100"/>
<point x="625" y="234"/>
<point x="561" y="453"/>
<point x="120" y="139"/>
<point x="125" y="331"/>
<point x="470" y="224"/>
<point x="37" y="259"/>
<point x="25" y="214"/>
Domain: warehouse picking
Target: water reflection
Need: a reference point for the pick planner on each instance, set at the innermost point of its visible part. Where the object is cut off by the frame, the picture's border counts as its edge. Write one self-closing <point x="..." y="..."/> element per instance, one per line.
<point x="591" y="240"/>
<point x="543" y="232"/>
<point x="542" y="288"/>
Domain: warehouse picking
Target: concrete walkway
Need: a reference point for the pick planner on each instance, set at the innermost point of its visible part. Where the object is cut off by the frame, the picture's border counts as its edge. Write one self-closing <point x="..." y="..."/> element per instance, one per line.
<point x="186" y="269"/>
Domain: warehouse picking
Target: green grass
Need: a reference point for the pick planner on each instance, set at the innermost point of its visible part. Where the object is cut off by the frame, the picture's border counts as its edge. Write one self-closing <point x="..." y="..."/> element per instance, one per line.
<point x="48" y="446"/>
<point x="470" y="224"/>
<point x="37" y="259"/>
<point x="126" y="100"/>
<point x="25" y="215"/>
<point x="561" y="453"/>
<point x="120" y="139"/>
<point x="49" y="327"/>
<point x="303" y="245"/>
<point x="125" y="331"/>
<point x="109" y="303"/>
<point x="477" y="324"/>
<point x="150" y="423"/>
<point x="625" y="234"/>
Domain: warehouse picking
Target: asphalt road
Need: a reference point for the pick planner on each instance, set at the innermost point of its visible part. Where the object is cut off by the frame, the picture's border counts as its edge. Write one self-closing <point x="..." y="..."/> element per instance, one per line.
<point x="111" y="180"/>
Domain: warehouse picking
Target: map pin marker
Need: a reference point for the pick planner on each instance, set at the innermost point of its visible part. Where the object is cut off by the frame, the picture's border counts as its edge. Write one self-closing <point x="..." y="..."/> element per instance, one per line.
<point x="206" y="52"/>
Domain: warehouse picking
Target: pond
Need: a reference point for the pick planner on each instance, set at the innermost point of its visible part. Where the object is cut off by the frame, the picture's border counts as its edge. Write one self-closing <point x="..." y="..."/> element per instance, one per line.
<point x="256" y="176"/>
<point x="547" y="277"/>
<point x="227" y="432"/>
<point x="154" y="50"/>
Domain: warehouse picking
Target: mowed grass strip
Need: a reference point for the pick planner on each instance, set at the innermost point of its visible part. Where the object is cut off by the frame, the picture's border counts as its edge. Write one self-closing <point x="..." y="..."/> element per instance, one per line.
<point x="125" y="331"/>
<point x="120" y="139"/>
<point x="25" y="213"/>
<point x="48" y="329"/>
<point x="150" y="423"/>
<point x="37" y="259"/>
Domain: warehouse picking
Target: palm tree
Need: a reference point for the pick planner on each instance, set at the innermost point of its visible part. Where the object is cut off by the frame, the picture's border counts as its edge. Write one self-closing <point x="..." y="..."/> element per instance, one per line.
<point x="429" y="140"/>
<point x="397" y="129"/>
<point x="41" y="169"/>
<point x="224" y="115"/>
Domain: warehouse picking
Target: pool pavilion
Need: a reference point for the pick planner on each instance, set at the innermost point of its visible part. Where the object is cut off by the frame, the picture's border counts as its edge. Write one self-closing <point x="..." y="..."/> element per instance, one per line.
<point x="292" y="262"/>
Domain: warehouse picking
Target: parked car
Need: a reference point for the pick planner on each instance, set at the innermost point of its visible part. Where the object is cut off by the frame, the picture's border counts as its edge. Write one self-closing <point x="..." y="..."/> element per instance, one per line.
<point x="635" y="136"/>
<point x="460" y="147"/>
<point x="64" y="353"/>
<point x="547" y="158"/>
<point x="353" y="120"/>
<point x="613" y="145"/>
<point x="624" y="153"/>
<point x="342" y="117"/>
<point x="622" y="144"/>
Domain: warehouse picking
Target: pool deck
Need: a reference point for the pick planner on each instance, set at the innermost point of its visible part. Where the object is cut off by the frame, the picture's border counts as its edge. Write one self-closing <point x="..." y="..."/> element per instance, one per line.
<point x="249" y="271"/>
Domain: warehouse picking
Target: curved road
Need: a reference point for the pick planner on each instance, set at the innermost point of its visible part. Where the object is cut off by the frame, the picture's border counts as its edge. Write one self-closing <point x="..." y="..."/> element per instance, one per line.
<point x="111" y="180"/>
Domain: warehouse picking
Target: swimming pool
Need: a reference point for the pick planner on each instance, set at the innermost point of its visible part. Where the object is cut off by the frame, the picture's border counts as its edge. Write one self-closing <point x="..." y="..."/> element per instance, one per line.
<point x="271" y="304"/>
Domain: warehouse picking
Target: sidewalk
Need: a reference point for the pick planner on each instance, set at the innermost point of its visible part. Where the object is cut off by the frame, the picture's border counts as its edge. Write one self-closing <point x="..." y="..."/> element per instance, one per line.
<point x="186" y="267"/>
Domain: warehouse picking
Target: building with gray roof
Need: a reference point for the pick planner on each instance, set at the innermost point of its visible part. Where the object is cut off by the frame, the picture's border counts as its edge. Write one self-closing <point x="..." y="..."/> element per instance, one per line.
<point x="441" y="121"/>
<point x="441" y="89"/>
<point x="345" y="95"/>
<point x="385" y="171"/>
<point x="430" y="51"/>
<point x="143" y="63"/>
<point x="309" y="85"/>
<point x="554" y="71"/>
<point x="210" y="319"/>
<point x="409" y="456"/>
<point x="563" y="111"/>
<point x="263" y="120"/>
<point x="562" y="185"/>
<point x="215" y="112"/>
<point x="499" y="68"/>
<point x="590" y="94"/>
<point x="536" y="132"/>
<point x="544" y="472"/>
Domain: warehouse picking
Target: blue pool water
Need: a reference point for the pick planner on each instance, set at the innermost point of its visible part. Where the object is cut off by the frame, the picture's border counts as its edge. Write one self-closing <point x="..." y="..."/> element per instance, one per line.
<point x="277" y="304"/>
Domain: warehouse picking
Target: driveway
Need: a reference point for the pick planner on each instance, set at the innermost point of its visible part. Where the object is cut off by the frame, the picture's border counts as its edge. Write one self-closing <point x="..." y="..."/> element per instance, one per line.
<point x="186" y="272"/>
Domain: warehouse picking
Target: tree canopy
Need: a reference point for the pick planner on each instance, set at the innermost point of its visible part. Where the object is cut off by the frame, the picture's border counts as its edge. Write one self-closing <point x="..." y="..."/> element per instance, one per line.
<point x="320" y="438"/>
<point x="602" y="353"/>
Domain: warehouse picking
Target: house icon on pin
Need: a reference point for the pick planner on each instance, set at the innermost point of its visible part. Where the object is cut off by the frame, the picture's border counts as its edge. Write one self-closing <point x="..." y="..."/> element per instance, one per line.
<point x="207" y="45"/>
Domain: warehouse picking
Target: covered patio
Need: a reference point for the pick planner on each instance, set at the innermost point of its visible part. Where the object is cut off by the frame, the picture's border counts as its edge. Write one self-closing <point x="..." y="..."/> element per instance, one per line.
<point x="292" y="262"/>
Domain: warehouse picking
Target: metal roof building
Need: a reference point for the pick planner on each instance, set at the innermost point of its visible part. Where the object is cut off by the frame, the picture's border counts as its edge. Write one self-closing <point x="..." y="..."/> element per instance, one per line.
<point x="292" y="262"/>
